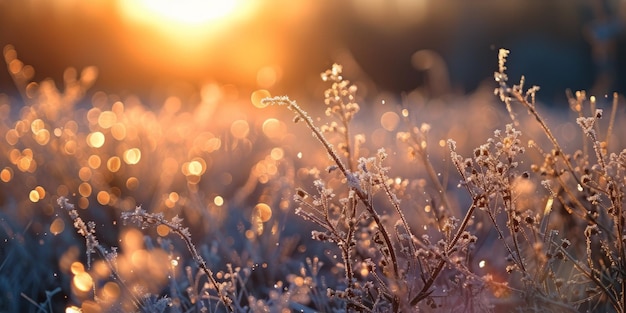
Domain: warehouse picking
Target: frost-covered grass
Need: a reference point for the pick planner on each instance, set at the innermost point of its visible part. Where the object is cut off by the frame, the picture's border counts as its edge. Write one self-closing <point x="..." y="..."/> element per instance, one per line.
<point x="379" y="208"/>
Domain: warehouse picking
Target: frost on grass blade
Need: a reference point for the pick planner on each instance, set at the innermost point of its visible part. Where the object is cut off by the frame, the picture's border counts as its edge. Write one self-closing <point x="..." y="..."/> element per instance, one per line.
<point x="86" y="230"/>
<point x="146" y="219"/>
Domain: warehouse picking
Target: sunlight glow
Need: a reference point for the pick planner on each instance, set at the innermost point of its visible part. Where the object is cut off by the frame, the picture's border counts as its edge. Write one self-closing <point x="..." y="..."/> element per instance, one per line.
<point x="191" y="12"/>
<point x="187" y="21"/>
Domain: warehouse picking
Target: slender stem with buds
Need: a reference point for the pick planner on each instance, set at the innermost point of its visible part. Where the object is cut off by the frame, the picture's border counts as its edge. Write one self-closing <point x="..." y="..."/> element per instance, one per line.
<point x="352" y="180"/>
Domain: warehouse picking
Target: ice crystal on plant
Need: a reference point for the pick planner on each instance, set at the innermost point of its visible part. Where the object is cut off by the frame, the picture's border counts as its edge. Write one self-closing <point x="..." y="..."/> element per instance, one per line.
<point x="145" y="219"/>
<point x="87" y="231"/>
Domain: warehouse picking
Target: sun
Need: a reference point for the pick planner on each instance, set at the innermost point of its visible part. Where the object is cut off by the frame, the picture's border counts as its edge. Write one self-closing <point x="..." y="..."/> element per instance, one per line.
<point x="188" y="35"/>
<point x="188" y="23"/>
<point x="186" y="18"/>
<point x="184" y="12"/>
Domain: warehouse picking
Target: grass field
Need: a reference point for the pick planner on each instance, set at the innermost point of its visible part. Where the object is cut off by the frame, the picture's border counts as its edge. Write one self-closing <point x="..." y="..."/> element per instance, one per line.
<point x="473" y="203"/>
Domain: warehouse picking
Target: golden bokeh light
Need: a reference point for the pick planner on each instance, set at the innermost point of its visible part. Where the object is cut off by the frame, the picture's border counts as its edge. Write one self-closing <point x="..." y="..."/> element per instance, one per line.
<point x="107" y="119"/>
<point x="73" y="309"/>
<point x="207" y="141"/>
<point x="83" y="202"/>
<point x="262" y="211"/>
<point x="163" y="230"/>
<point x="15" y="66"/>
<point x="34" y="196"/>
<point x="41" y="192"/>
<point x="273" y="128"/>
<point x="31" y="90"/>
<point x="70" y="128"/>
<point x="171" y="199"/>
<point x="84" y="173"/>
<point x="132" y="183"/>
<point x="250" y="234"/>
<point x="114" y="164"/>
<point x="57" y="226"/>
<point x="95" y="139"/>
<point x="94" y="161"/>
<point x="84" y="189"/>
<point x="103" y="197"/>
<point x="77" y="268"/>
<point x="70" y="147"/>
<point x="218" y="200"/>
<point x="118" y="107"/>
<point x="12" y="136"/>
<point x="132" y="240"/>
<point x="173" y="196"/>
<point x="24" y="160"/>
<point x="118" y="131"/>
<point x="26" y="164"/>
<point x="277" y="154"/>
<point x="92" y="115"/>
<point x="195" y="168"/>
<point x="389" y="120"/>
<point x="100" y="269"/>
<point x="132" y="156"/>
<point x="110" y="291"/>
<point x="14" y="156"/>
<point x="42" y="137"/>
<point x="21" y="126"/>
<point x="6" y="174"/>
<point x="240" y="129"/>
<point x="37" y="125"/>
<point x="139" y="257"/>
<point x="259" y="95"/>
<point x="83" y="281"/>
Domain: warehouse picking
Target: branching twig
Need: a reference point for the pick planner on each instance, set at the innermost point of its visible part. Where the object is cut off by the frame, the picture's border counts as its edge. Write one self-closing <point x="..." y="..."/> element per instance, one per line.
<point x="144" y="219"/>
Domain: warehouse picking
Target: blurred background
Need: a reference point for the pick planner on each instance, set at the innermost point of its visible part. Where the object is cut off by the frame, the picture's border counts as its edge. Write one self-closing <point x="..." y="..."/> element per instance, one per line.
<point x="153" y="48"/>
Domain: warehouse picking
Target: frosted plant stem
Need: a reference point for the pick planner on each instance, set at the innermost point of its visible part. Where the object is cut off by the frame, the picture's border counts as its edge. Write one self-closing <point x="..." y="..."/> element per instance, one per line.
<point x="614" y="195"/>
<point x="425" y="292"/>
<point x="144" y="218"/>
<point x="347" y="139"/>
<point x="591" y="274"/>
<point x="517" y="92"/>
<point x="352" y="181"/>
<point x="292" y="105"/>
<point x="394" y="201"/>
<point x="92" y="244"/>
<point x="546" y="130"/>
